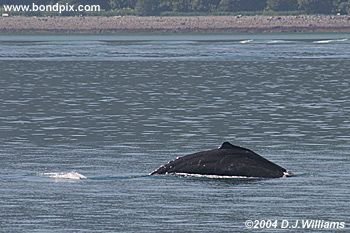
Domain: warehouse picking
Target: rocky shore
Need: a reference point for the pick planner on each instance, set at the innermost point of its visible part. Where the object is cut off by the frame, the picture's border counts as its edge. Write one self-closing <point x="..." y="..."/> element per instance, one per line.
<point x="302" y="23"/>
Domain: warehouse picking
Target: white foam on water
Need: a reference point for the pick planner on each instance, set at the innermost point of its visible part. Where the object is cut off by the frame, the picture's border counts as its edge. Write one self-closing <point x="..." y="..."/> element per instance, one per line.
<point x="214" y="176"/>
<point x="64" y="175"/>
<point x="277" y="41"/>
<point x="329" y="41"/>
<point x="245" y="41"/>
<point x="285" y="174"/>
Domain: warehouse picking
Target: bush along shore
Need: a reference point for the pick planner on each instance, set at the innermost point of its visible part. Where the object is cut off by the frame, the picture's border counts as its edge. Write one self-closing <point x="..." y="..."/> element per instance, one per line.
<point x="102" y="24"/>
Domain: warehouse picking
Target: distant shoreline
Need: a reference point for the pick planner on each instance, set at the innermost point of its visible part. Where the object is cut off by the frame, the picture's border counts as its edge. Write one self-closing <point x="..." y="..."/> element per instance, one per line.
<point x="115" y="24"/>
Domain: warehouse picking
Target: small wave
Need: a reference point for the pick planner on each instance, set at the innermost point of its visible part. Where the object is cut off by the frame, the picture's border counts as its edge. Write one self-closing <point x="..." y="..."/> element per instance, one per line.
<point x="329" y="41"/>
<point x="245" y="41"/>
<point x="64" y="175"/>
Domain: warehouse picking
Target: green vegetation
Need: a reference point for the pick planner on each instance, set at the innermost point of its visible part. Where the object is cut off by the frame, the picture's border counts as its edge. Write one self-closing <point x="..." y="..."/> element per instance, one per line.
<point x="203" y="7"/>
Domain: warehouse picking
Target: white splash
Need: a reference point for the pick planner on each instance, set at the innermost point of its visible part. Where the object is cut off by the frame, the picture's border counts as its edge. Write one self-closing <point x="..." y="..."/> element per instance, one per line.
<point x="214" y="176"/>
<point x="245" y="41"/>
<point x="287" y="174"/>
<point x="329" y="41"/>
<point x="64" y="175"/>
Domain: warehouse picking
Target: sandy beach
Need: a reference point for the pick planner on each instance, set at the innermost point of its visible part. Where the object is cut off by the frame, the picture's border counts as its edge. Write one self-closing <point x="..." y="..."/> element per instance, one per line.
<point x="302" y="23"/>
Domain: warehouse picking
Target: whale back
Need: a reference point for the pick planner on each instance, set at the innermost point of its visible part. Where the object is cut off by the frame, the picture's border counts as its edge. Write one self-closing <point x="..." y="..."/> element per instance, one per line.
<point x="228" y="160"/>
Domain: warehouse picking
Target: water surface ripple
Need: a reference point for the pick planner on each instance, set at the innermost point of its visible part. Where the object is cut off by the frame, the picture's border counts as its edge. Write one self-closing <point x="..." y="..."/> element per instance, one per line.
<point x="114" y="109"/>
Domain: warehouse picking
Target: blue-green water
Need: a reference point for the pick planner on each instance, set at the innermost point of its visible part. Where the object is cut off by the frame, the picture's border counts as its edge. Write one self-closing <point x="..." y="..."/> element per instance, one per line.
<point x="113" y="108"/>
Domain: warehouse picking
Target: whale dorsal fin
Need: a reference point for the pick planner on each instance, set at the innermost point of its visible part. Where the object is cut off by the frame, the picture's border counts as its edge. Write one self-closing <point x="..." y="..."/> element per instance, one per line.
<point x="227" y="145"/>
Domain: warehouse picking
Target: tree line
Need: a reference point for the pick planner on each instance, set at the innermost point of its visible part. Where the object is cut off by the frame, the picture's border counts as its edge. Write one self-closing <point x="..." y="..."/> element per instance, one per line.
<point x="205" y="7"/>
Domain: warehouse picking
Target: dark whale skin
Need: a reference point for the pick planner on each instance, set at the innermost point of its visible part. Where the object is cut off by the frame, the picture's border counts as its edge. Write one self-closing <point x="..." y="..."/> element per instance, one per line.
<point x="228" y="160"/>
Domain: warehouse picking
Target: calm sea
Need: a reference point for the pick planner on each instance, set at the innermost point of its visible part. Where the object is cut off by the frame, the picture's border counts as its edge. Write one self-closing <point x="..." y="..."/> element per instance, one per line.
<point x="115" y="107"/>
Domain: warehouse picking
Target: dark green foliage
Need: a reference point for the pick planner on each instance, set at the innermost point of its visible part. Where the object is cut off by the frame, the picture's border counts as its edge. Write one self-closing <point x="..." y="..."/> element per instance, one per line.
<point x="181" y="5"/>
<point x="147" y="7"/>
<point x="248" y="5"/>
<point x="165" y="5"/>
<point x="282" y="5"/>
<point x="241" y="5"/>
<point x="225" y="5"/>
<point x="120" y="4"/>
<point x="316" y="6"/>
<point x="205" y="5"/>
<point x="342" y="6"/>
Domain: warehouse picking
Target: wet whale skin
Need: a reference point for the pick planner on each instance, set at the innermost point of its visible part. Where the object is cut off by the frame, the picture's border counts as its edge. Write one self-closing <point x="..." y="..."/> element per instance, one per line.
<point x="227" y="160"/>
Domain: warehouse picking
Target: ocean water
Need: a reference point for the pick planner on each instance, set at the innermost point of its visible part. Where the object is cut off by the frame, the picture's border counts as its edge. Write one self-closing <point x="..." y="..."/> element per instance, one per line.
<point x="109" y="109"/>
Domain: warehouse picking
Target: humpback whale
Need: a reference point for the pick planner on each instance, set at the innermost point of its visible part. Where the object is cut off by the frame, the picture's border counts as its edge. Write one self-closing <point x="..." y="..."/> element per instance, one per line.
<point x="227" y="160"/>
